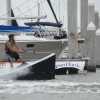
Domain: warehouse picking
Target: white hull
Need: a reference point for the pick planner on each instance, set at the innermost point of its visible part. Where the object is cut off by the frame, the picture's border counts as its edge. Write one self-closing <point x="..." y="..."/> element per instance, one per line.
<point x="34" y="45"/>
<point x="78" y="64"/>
<point x="58" y="64"/>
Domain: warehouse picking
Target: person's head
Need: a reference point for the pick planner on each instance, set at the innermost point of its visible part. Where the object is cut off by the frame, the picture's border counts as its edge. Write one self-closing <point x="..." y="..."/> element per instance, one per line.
<point x="11" y="36"/>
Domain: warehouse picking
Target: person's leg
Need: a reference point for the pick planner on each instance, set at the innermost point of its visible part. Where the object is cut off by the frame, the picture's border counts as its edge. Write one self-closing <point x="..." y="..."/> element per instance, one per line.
<point x="10" y="59"/>
<point x="17" y="57"/>
<point x="20" y="59"/>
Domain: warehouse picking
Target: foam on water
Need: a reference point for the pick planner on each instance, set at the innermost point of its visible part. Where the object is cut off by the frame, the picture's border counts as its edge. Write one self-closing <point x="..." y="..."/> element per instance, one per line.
<point x="25" y="87"/>
<point x="83" y="82"/>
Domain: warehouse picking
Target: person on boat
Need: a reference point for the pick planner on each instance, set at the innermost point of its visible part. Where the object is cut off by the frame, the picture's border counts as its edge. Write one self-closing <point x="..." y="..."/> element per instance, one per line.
<point x="11" y="51"/>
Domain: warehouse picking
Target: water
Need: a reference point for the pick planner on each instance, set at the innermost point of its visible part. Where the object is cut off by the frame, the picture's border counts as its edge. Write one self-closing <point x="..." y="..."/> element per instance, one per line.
<point x="84" y="82"/>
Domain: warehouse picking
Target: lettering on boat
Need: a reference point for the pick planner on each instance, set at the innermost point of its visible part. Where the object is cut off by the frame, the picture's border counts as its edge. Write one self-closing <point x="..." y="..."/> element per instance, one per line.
<point x="70" y="64"/>
<point x="2" y="63"/>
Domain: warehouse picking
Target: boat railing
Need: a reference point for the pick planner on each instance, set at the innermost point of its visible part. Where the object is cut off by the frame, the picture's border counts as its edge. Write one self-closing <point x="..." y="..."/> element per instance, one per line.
<point x="50" y="33"/>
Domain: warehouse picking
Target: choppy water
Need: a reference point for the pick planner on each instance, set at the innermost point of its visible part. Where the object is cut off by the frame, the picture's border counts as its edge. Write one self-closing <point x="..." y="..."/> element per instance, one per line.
<point x="84" y="82"/>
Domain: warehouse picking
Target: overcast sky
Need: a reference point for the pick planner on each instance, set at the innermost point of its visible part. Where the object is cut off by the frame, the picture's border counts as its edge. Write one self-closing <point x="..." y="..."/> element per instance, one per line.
<point x="29" y="8"/>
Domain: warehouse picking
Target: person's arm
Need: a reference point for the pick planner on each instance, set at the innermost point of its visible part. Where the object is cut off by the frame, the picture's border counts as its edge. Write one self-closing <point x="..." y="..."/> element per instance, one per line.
<point x="17" y="46"/>
<point x="11" y="48"/>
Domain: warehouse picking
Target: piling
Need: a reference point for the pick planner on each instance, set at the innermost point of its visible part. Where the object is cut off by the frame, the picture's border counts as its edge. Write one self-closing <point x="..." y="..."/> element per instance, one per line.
<point x="8" y="11"/>
<point x="72" y="33"/>
<point x="99" y="22"/>
<point x="91" y="14"/>
<point x="96" y="20"/>
<point x="84" y="24"/>
<point x="97" y="48"/>
<point x="72" y="29"/>
<point x="91" y="36"/>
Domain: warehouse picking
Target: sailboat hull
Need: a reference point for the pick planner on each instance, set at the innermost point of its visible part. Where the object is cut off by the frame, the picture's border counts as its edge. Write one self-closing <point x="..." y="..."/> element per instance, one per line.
<point x="35" y="46"/>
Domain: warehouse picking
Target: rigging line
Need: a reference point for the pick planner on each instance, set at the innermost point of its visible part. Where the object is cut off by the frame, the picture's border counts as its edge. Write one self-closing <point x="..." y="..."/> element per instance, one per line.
<point x="43" y="9"/>
<point x="20" y="12"/>
<point x="43" y="1"/>
<point x="59" y="8"/>
<point x="34" y="6"/>
<point x="21" y="5"/>
<point x="29" y="8"/>
<point x="15" y="8"/>
<point x="49" y="2"/>
<point x="65" y="4"/>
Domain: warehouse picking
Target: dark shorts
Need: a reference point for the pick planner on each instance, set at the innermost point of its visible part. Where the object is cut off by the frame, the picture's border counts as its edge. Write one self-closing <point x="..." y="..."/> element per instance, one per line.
<point x="13" y="55"/>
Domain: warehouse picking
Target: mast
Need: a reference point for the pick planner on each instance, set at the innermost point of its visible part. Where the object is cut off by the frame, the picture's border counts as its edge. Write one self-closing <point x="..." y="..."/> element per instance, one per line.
<point x="49" y="2"/>
<point x="38" y="10"/>
<point x="10" y="14"/>
<point x="59" y="10"/>
<point x="8" y="11"/>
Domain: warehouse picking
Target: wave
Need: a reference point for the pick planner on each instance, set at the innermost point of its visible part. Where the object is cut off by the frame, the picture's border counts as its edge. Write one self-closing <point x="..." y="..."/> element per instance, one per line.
<point x="25" y="87"/>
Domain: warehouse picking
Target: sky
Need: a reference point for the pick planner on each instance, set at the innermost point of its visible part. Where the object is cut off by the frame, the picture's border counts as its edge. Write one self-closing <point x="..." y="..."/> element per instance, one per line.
<point x="23" y="8"/>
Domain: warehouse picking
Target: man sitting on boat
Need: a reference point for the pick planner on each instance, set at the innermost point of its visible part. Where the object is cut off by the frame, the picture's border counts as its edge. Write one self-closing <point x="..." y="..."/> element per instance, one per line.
<point x="12" y="52"/>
